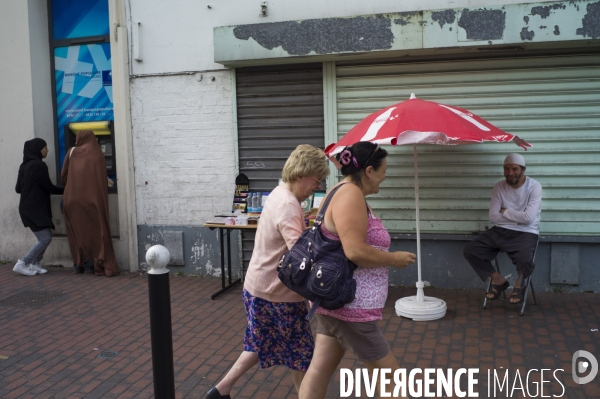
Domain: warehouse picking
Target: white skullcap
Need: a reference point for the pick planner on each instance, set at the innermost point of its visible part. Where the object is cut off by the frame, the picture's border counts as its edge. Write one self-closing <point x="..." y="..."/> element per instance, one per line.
<point x="516" y="159"/>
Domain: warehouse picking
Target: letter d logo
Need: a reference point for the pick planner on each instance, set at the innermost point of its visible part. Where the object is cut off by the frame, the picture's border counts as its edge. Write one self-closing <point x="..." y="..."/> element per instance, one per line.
<point x="581" y="367"/>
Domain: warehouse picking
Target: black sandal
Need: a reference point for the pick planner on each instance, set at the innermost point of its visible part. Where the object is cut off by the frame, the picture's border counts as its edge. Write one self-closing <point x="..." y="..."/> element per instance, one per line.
<point x="214" y="393"/>
<point x="518" y="293"/>
<point x="496" y="290"/>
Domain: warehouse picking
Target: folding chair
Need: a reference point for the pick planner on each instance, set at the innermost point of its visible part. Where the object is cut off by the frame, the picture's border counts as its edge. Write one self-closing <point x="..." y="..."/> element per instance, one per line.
<point x="527" y="283"/>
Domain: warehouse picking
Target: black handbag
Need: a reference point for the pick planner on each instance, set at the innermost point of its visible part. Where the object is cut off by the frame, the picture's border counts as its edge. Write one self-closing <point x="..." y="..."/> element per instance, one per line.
<point x="317" y="268"/>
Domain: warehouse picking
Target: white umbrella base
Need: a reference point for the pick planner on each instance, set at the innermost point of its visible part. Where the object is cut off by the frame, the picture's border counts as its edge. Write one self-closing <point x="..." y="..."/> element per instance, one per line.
<point x="429" y="309"/>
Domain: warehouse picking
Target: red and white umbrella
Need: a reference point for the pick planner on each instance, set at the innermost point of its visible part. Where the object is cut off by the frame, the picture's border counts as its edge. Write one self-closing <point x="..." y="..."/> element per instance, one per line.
<point x="416" y="121"/>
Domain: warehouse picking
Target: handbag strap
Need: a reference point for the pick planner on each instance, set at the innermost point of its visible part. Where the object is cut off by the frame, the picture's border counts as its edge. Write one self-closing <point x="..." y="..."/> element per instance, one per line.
<point x="313" y="309"/>
<point x="321" y="214"/>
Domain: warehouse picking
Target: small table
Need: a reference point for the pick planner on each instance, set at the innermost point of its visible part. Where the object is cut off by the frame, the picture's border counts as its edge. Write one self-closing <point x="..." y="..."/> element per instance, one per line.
<point x="225" y="230"/>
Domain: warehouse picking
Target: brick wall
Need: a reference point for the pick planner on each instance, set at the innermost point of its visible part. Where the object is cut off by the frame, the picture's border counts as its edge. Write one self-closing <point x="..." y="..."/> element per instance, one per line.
<point x="183" y="147"/>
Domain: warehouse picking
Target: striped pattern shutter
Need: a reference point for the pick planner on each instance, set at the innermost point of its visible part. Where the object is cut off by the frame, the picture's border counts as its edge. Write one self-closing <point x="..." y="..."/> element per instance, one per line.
<point x="278" y="108"/>
<point x="553" y="102"/>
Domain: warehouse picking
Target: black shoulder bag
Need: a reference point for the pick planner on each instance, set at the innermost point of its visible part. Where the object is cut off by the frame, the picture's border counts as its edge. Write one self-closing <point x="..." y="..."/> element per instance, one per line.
<point x="317" y="268"/>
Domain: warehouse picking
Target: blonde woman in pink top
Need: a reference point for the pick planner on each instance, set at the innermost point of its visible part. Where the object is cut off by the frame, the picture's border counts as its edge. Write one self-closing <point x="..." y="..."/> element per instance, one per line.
<point x="366" y="242"/>
<point x="277" y="332"/>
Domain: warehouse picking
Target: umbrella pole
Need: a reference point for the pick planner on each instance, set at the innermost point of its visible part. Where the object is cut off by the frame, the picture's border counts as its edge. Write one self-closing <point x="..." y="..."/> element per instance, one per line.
<point x="420" y="307"/>
<point x="420" y="285"/>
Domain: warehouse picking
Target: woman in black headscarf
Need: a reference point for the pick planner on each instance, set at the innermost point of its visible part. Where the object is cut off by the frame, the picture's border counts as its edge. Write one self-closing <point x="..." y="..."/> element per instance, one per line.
<point x="35" y="187"/>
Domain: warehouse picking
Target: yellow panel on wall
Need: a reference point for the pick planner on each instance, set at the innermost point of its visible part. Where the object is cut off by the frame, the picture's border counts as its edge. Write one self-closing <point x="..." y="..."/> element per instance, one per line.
<point x="100" y="128"/>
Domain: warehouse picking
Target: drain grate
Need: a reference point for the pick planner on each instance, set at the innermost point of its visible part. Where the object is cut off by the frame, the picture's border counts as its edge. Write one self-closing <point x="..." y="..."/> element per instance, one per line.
<point x="108" y="354"/>
<point x="31" y="299"/>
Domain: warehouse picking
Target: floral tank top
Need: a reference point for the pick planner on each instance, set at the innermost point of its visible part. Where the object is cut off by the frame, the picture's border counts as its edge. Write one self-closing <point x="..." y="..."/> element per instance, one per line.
<point x="371" y="283"/>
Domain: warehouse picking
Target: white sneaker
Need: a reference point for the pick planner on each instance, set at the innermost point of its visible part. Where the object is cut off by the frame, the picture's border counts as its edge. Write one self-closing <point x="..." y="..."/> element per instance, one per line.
<point x="24" y="269"/>
<point x="35" y="266"/>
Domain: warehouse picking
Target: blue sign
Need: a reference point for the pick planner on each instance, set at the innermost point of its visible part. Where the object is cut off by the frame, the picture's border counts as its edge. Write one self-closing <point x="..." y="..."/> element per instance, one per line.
<point x="106" y="78"/>
<point x="77" y="18"/>
<point x="83" y="87"/>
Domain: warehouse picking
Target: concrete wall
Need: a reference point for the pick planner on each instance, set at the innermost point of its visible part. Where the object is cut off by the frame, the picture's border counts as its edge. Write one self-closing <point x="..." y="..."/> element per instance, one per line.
<point x="183" y="147"/>
<point x="184" y="151"/>
<point x="199" y="246"/>
<point x="450" y="30"/>
<point x="25" y="112"/>
<point x="444" y="266"/>
<point x="16" y="110"/>
<point x="180" y="38"/>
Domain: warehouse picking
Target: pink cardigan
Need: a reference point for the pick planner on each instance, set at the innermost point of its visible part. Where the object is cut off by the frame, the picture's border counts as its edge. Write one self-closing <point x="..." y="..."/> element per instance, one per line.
<point x="280" y="225"/>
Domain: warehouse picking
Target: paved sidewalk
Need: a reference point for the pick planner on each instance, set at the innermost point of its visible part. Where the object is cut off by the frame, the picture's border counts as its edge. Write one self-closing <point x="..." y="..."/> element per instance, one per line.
<point x="53" y="348"/>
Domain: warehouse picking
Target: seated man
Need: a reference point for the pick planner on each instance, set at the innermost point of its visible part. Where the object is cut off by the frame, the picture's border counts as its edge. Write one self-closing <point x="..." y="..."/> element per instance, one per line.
<point x="515" y="212"/>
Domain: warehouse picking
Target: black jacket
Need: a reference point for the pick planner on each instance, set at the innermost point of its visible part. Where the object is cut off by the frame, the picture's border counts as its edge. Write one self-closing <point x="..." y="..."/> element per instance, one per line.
<point x="35" y="187"/>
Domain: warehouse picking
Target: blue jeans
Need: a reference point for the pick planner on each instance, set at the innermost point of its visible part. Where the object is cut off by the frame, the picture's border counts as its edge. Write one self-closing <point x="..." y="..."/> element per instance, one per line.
<point x="36" y="253"/>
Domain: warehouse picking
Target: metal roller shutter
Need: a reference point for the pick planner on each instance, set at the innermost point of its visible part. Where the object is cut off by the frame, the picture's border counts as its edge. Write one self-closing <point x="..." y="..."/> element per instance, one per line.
<point x="278" y="108"/>
<point x="553" y="102"/>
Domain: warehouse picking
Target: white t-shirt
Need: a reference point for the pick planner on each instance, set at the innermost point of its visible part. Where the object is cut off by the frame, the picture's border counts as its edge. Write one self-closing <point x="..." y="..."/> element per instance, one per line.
<point x="523" y="206"/>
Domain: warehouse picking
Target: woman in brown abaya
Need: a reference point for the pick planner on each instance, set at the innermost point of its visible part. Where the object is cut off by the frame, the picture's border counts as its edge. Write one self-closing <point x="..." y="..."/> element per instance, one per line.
<point x="85" y="206"/>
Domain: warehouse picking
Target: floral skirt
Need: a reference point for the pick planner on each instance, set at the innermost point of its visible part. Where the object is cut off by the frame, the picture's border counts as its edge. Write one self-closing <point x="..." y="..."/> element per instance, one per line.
<point x="278" y="332"/>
